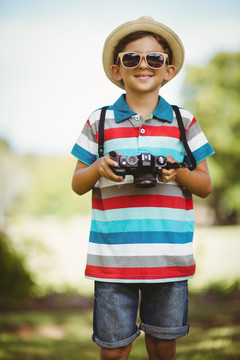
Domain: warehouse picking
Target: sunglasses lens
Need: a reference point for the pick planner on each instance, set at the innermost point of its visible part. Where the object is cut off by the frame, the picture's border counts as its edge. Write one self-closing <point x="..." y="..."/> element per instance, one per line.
<point x="131" y="60"/>
<point x="155" y="60"/>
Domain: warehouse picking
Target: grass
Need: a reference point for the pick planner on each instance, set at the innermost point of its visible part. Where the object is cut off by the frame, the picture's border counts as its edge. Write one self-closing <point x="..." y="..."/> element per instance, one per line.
<point x="66" y="335"/>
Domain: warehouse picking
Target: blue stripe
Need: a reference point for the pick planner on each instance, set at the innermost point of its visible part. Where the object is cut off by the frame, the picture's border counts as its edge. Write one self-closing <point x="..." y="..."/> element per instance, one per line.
<point x="141" y="226"/>
<point x="149" y="237"/>
<point x="203" y="152"/>
<point x="83" y="155"/>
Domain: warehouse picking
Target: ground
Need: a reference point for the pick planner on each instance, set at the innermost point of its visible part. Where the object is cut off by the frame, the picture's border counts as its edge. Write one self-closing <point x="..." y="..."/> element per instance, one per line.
<point x="59" y="327"/>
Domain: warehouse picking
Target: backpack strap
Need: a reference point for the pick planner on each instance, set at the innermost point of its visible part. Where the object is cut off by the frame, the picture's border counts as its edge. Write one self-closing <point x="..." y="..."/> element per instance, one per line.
<point x="191" y="158"/>
<point x="101" y="132"/>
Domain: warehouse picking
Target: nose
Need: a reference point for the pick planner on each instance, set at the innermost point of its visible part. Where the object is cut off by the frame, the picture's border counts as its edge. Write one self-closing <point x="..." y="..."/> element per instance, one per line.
<point x="143" y="63"/>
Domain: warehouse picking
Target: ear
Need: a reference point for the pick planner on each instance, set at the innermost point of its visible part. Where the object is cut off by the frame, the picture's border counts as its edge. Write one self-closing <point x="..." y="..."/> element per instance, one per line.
<point x="171" y="71"/>
<point x="115" y="70"/>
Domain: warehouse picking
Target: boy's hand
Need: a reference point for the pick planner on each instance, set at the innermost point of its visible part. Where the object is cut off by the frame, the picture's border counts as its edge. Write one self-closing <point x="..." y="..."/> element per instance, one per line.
<point x="165" y="175"/>
<point x="104" y="169"/>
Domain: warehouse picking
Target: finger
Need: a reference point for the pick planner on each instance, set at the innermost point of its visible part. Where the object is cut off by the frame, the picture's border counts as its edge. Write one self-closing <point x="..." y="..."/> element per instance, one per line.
<point x="170" y="158"/>
<point x="168" y="172"/>
<point x="110" y="161"/>
<point x="168" y="177"/>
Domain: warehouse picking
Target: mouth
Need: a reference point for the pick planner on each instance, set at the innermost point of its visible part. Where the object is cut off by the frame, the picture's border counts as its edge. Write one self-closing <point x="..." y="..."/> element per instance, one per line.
<point x="143" y="76"/>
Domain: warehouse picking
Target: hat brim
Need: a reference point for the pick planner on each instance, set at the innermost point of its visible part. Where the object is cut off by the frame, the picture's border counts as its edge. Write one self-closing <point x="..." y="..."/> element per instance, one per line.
<point x="145" y="23"/>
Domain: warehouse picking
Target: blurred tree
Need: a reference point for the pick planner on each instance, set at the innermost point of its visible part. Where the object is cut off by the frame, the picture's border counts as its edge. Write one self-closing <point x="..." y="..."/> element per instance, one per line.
<point x="16" y="284"/>
<point x="212" y="94"/>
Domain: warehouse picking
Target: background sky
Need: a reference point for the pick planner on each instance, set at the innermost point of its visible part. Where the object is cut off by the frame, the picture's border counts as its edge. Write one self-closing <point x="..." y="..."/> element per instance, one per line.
<point x="51" y="75"/>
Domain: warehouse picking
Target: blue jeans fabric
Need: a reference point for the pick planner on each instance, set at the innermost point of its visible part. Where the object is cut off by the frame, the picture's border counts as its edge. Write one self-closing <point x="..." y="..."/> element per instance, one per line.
<point x="163" y="312"/>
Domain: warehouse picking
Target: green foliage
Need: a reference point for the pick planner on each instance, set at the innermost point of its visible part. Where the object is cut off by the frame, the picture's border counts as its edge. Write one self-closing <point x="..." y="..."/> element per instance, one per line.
<point x="14" y="179"/>
<point x="38" y="185"/>
<point x="212" y="94"/>
<point x="16" y="284"/>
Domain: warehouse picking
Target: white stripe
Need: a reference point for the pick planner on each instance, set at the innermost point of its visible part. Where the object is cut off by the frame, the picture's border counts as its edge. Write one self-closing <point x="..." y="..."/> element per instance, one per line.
<point x="104" y="182"/>
<point x="137" y="213"/>
<point x="140" y="249"/>
<point x="198" y="141"/>
<point x="95" y="116"/>
<point x="186" y="114"/>
<point x="87" y="144"/>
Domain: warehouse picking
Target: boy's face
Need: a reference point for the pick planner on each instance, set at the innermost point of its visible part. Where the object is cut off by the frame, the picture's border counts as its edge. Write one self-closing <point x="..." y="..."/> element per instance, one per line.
<point x="143" y="79"/>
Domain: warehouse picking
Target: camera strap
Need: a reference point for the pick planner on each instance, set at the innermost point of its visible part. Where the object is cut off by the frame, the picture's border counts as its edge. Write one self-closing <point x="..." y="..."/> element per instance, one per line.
<point x="101" y="132"/>
<point x="191" y="158"/>
<point x="183" y="138"/>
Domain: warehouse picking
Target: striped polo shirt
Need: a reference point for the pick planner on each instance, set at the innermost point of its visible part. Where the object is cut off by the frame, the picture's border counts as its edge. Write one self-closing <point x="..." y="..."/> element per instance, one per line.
<point x="140" y="234"/>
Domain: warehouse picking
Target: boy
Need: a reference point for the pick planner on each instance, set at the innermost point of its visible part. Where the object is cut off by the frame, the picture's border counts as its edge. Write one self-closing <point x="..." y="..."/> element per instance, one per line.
<point x="140" y="242"/>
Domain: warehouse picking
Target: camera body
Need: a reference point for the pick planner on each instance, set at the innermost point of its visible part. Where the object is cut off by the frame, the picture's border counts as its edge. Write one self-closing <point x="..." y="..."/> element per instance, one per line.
<point x="144" y="167"/>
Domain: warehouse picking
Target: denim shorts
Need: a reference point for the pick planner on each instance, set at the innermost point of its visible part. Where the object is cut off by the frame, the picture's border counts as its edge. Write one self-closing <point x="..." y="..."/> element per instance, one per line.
<point x="163" y="312"/>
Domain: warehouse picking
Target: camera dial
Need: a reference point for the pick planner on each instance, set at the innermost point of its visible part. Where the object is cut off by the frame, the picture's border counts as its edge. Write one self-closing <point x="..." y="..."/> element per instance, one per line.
<point x="132" y="160"/>
<point x="161" y="160"/>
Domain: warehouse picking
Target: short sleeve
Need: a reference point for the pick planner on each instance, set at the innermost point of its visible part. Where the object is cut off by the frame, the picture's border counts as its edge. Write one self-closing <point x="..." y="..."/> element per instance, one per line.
<point x="196" y="139"/>
<point x="86" y="147"/>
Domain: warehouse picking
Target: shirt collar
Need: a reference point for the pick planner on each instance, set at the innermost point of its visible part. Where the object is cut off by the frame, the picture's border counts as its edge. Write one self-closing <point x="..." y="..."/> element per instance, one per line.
<point x="122" y="112"/>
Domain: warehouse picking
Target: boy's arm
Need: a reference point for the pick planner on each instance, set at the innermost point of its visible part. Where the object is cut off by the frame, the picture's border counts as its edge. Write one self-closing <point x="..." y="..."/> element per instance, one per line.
<point x="85" y="177"/>
<point x="198" y="181"/>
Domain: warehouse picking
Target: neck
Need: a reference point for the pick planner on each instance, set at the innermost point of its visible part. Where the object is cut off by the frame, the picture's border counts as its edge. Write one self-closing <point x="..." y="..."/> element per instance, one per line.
<point x="143" y="104"/>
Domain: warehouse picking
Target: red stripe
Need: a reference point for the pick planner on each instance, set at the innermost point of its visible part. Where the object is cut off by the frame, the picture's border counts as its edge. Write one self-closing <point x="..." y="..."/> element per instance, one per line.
<point x="193" y="122"/>
<point x="139" y="273"/>
<point x="121" y="132"/>
<point x="127" y="132"/>
<point x="121" y="202"/>
<point x="169" y="131"/>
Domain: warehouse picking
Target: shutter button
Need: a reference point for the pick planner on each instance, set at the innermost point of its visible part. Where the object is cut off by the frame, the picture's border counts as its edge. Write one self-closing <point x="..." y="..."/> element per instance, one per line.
<point x="142" y="131"/>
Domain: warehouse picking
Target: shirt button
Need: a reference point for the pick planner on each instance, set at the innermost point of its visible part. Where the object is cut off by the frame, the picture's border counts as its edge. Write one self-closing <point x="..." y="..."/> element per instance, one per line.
<point x="142" y="131"/>
<point x="137" y="117"/>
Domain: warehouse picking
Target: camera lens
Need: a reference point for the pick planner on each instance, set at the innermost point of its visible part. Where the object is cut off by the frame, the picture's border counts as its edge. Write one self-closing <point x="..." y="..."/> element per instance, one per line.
<point x="132" y="160"/>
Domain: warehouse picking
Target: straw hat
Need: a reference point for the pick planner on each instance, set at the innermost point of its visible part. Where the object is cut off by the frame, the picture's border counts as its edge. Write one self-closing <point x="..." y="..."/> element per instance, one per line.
<point x="145" y="23"/>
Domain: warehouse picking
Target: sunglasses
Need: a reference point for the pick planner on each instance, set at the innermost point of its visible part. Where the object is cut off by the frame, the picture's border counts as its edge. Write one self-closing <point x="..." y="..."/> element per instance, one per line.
<point x="131" y="60"/>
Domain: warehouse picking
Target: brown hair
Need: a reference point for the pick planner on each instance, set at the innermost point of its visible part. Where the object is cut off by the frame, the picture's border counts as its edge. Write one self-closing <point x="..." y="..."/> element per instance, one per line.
<point x="138" y="35"/>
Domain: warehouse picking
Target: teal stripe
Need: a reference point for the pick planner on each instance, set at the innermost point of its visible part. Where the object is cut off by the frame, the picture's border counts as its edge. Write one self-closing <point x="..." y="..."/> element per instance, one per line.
<point x="156" y="281"/>
<point x="83" y="155"/>
<point x="138" y="213"/>
<point x="133" y="143"/>
<point x="203" y="152"/>
<point x="141" y="226"/>
<point x="178" y="156"/>
<point x="162" y="141"/>
<point x="164" y="152"/>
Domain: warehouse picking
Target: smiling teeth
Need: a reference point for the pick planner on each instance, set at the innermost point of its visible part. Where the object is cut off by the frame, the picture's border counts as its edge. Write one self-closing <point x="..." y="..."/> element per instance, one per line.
<point x="143" y="76"/>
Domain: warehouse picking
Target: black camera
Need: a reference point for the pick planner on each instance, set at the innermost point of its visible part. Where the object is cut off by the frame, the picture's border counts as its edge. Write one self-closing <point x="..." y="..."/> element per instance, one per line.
<point x="144" y="167"/>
